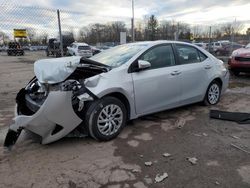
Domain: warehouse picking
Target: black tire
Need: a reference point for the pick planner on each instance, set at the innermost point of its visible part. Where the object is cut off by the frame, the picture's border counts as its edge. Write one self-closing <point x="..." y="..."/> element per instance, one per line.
<point x="207" y="100"/>
<point x="92" y="114"/>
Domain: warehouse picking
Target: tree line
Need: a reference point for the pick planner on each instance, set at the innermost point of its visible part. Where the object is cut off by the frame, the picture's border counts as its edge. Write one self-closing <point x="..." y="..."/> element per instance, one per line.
<point x="149" y="28"/>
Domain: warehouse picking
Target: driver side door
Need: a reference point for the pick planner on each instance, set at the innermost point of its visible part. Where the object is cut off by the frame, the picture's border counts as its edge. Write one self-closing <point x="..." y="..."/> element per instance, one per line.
<point x="158" y="87"/>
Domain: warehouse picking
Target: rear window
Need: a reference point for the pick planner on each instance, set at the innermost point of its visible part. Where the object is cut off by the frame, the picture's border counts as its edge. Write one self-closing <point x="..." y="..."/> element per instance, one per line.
<point x="84" y="48"/>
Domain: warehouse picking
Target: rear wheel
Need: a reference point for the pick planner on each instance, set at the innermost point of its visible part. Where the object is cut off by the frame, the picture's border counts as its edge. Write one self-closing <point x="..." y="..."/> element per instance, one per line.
<point x="105" y="118"/>
<point x="213" y="93"/>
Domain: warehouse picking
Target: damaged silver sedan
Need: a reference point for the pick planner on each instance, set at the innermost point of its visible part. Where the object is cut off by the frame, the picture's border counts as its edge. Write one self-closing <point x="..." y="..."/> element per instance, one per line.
<point x="97" y="96"/>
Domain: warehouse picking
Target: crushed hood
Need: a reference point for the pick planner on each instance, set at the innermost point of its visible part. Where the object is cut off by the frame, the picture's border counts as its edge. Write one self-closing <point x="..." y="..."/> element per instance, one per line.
<point x="53" y="71"/>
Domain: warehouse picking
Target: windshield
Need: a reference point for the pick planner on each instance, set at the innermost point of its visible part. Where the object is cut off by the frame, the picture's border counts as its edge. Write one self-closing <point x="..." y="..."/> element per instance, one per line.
<point x="118" y="55"/>
<point x="248" y="46"/>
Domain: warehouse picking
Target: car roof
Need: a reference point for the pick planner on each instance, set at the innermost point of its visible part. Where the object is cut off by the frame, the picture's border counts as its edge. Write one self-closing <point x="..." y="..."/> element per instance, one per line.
<point x="80" y="44"/>
<point x="152" y="43"/>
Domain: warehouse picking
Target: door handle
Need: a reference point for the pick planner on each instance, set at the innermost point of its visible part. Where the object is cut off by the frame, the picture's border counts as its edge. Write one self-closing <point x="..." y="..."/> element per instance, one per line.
<point x="174" y="73"/>
<point x="208" y="67"/>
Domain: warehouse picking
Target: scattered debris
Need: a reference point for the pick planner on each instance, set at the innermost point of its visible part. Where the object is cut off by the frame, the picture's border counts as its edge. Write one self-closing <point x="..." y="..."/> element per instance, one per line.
<point x="166" y="154"/>
<point x="180" y="123"/>
<point x="217" y="183"/>
<point x="192" y="160"/>
<point x="235" y="137"/>
<point x="136" y="170"/>
<point x="149" y="163"/>
<point x="238" y="147"/>
<point x="160" y="178"/>
<point x="204" y="134"/>
<point x="241" y="118"/>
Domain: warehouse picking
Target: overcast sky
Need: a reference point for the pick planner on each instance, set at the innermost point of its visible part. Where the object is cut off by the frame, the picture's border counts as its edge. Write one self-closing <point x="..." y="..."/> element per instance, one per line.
<point x="206" y="12"/>
<point x="191" y="11"/>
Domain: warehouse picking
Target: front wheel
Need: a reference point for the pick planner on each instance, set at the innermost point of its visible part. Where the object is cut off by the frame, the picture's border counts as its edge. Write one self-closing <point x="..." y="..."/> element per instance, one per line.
<point x="105" y="118"/>
<point x="213" y="93"/>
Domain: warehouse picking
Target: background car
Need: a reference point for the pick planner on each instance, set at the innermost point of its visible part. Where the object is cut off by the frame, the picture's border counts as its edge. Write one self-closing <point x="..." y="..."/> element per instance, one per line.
<point x="98" y="95"/>
<point x="14" y="48"/>
<point x="239" y="61"/>
<point x="228" y="48"/>
<point x="80" y="49"/>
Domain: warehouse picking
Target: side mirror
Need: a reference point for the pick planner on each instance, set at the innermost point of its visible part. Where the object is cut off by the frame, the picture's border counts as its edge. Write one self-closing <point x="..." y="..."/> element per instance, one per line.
<point x="142" y="65"/>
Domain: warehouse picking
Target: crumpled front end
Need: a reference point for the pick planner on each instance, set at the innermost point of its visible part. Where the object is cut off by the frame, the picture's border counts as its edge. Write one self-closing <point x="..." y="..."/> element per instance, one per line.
<point x="52" y="105"/>
<point x="53" y="120"/>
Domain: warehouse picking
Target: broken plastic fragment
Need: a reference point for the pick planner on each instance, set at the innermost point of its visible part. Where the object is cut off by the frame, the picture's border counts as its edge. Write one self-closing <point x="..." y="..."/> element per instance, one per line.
<point x="192" y="160"/>
<point x="149" y="163"/>
<point x="160" y="178"/>
<point x="166" y="154"/>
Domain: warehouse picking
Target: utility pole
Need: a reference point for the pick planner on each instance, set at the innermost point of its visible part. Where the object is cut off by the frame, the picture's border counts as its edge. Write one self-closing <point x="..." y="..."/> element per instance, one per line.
<point x="132" y="22"/>
<point x="232" y="36"/>
<point x="60" y="32"/>
<point x="209" y="45"/>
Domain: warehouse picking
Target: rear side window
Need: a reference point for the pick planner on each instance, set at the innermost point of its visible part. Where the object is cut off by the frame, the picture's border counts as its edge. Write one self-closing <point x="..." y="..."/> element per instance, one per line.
<point x="188" y="54"/>
<point x="160" y="56"/>
<point x="84" y="48"/>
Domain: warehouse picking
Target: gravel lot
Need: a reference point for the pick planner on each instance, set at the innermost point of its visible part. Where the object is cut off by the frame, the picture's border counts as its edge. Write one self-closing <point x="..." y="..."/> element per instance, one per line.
<point x="184" y="133"/>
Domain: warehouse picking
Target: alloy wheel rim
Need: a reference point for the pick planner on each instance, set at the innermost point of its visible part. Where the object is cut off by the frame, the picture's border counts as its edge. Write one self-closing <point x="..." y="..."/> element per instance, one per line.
<point x="213" y="94"/>
<point x="110" y="119"/>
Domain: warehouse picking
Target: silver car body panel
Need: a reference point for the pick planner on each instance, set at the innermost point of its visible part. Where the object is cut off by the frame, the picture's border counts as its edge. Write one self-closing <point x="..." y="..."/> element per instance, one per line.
<point x="57" y="109"/>
<point x="147" y="91"/>
<point x="53" y="71"/>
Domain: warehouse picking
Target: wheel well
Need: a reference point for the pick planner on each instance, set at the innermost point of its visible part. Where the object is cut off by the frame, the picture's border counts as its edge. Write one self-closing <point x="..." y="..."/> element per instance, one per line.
<point x="218" y="80"/>
<point x="123" y="99"/>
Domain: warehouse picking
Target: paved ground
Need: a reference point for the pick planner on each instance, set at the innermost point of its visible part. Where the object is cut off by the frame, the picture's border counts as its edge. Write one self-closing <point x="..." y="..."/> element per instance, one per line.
<point x="184" y="133"/>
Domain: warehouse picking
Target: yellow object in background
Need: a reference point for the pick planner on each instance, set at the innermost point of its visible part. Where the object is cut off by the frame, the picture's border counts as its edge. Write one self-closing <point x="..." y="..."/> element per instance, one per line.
<point x="20" y="33"/>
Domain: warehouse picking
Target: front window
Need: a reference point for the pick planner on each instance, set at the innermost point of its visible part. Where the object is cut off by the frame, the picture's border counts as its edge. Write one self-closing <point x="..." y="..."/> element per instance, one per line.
<point x="160" y="56"/>
<point x="248" y="46"/>
<point x="118" y="55"/>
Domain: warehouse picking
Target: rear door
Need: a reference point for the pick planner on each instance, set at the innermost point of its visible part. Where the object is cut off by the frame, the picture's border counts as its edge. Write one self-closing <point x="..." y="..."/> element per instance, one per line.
<point x="195" y="68"/>
<point x="158" y="87"/>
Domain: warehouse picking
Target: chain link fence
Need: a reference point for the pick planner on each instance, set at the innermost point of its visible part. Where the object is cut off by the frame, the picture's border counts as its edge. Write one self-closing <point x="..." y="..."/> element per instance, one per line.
<point x="43" y="30"/>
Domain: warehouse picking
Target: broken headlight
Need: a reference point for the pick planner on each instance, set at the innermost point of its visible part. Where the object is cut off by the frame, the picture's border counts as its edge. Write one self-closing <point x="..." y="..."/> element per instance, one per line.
<point x="68" y="85"/>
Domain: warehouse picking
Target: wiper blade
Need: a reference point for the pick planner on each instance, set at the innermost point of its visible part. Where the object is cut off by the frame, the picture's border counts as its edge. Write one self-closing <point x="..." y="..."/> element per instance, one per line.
<point x="92" y="62"/>
<point x="106" y="69"/>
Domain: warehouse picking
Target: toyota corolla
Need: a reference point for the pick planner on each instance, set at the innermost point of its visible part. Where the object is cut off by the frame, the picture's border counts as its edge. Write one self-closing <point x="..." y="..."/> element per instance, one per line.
<point x="97" y="96"/>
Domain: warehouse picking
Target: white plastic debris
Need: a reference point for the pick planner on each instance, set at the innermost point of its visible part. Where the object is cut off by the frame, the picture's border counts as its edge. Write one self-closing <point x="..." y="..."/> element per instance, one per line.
<point x="136" y="170"/>
<point x="204" y="134"/>
<point x="160" y="178"/>
<point x="217" y="183"/>
<point x="235" y="137"/>
<point x="180" y="123"/>
<point x="166" y="154"/>
<point x="192" y="160"/>
<point x="149" y="163"/>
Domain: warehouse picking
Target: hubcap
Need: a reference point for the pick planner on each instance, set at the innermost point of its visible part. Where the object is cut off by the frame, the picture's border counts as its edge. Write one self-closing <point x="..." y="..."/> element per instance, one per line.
<point x="213" y="94"/>
<point x="110" y="119"/>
